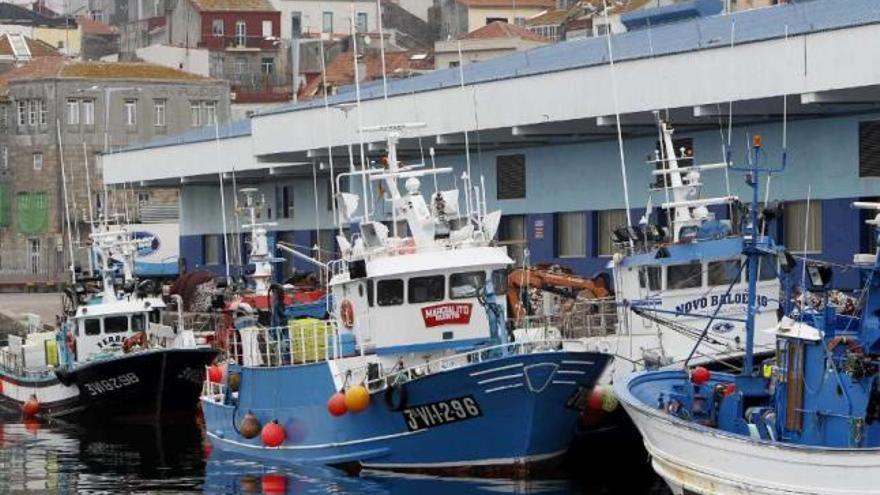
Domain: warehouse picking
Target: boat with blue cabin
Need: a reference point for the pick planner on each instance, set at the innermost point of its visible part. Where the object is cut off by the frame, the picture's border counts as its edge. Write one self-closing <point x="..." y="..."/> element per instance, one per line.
<point x="415" y="371"/>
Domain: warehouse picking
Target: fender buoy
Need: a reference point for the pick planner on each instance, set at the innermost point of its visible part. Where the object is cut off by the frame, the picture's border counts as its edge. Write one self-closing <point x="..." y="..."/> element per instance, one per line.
<point x="215" y="374"/>
<point x="395" y="397"/>
<point x="700" y="375"/>
<point x="273" y="434"/>
<point x="346" y="313"/>
<point x="250" y="426"/>
<point x="357" y="399"/>
<point x="336" y="405"/>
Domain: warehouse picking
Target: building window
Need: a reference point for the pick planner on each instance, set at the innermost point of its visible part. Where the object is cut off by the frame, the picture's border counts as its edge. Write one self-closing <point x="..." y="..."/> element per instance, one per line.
<point x="4" y="117"/>
<point x="803" y="228"/>
<point x="195" y="113"/>
<point x="361" y="24"/>
<point x="130" y="115"/>
<point x="607" y="221"/>
<point x="5" y="158"/>
<point x="73" y="112"/>
<point x="869" y="149"/>
<point x="38" y="161"/>
<point x="32" y="112"/>
<point x="159" y="113"/>
<point x="571" y="235"/>
<point x="267" y="29"/>
<point x="510" y="176"/>
<point x="97" y="15"/>
<point x="512" y="233"/>
<point x="240" y="33"/>
<point x="327" y="22"/>
<point x="284" y="195"/>
<point x="217" y="27"/>
<point x="22" y="113"/>
<point x="453" y="64"/>
<point x="240" y="65"/>
<point x="267" y="66"/>
<point x="490" y="20"/>
<point x="295" y="24"/>
<point x="210" y="113"/>
<point x="88" y="112"/>
<point x="41" y="105"/>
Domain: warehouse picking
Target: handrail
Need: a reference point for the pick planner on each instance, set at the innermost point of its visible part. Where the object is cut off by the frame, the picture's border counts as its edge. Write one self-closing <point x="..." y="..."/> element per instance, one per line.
<point x="295" y="344"/>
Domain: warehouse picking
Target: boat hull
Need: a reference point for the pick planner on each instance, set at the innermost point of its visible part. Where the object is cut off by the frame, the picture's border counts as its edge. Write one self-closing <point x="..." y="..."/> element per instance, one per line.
<point x="696" y="459"/>
<point x="522" y="412"/>
<point x="138" y="387"/>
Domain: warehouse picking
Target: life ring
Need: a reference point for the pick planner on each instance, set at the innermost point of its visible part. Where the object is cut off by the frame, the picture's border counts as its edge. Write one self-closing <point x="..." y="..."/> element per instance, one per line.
<point x="851" y="344"/>
<point x="395" y="397"/>
<point x="138" y="339"/>
<point x="346" y="313"/>
<point x="71" y="342"/>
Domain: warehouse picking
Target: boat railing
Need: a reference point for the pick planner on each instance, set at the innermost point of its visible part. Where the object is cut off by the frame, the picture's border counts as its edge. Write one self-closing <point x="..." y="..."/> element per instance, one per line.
<point x="14" y="363"/>
<point x="376" y="379"/>
<point x="213" y="390"/>
<point x="300" y="342"/>
<point x="584" y="319"/>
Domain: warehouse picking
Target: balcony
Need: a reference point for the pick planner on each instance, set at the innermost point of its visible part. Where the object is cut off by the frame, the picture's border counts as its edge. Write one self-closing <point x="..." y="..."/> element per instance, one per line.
<point x="258" y="87"/>
<point x="233" y="43"/>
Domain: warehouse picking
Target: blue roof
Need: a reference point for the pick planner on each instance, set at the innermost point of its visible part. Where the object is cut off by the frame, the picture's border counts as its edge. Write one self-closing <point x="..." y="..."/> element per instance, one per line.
<point x="680" y="37"/>
<point x="236" y="128"/>
<point x="691" y="9"/>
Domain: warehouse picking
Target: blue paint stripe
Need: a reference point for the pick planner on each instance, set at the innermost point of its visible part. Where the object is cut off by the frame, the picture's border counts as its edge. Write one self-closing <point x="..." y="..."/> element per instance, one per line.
<point x="430" y="346"/>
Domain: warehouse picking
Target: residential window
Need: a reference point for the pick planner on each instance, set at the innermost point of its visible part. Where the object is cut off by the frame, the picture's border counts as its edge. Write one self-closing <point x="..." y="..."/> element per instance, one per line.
<point x="426" y="289"/>
<point x="295" y="24"/>
<point x="267" y="66"/>
<point x="453" y="64"/>
<point x="159" y="113"/>
<point x="361" y="24"/>
<point x="240" y="33"/>
<point x="88" y="112"/>
<point x="465" y="285"/>
<point x="571" y="235"/>
<point x="869" y="149"/>
<point x="803" y="229"/>
<point x="41" y="105"/>
<point x="389" y="292"/>
<point x="512" y="233"/>
<point x="97" y="15"/>
<point x="22" y="113"/>
<point x="327" y="22"/>
<point x="130" y="116"/>
<point x="213" y="249"/>
<point x="511" y="176"/>
<point x="73" y="112"/>
<point x="210" y="113"/>
<point x="32" y="112"/>
<point x="267" y="29"/>
<point x="38" y="161"/>
<point x="217" y="27"/>
<point x="724" y="272"/>
<point x="4" y="116"/>
<point x="686" y="276"/>
<point x="490" y="20"/>
<point x="5" y="158"/>
<point x="606" y="222"/>
<point x="195" y="114"/>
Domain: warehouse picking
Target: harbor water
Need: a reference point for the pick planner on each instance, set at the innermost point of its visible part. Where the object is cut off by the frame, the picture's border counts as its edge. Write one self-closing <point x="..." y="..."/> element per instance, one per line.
<point x="55" y="458"/>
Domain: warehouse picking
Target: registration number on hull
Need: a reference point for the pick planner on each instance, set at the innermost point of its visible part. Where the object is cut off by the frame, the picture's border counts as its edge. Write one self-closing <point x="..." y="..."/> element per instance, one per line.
<point x="98" y="387"/>
<point x="441" y="413"/>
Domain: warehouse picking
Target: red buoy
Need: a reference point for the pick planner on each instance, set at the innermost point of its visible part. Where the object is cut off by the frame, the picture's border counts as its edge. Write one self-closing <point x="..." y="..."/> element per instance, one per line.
<point x="594" y="401"/>
<point x="700" y="375"/>
<point x="31" y="407"/>
<point x="215" y="374"/>
<point x="273" y="434"/>
<point x="729" y="389"/>
<point x="336" y="405"/>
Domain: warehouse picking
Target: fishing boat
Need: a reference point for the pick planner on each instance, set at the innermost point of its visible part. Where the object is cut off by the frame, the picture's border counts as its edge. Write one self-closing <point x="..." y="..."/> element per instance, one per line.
<point x="110" y="358"/>
<point x="415" y="370"/>
<point x="800" y="422"/>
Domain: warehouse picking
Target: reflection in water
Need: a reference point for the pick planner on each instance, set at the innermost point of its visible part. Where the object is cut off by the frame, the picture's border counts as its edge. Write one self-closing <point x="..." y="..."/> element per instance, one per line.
<point x="64" y="459"/>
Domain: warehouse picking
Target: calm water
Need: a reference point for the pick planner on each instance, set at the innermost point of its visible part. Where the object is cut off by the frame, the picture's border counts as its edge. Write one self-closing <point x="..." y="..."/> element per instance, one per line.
<point x="53" y="458"/>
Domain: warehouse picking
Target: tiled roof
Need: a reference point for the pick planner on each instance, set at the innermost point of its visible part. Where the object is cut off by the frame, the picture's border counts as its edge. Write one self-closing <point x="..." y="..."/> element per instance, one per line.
<point x="59" y="68"/>
<point x="233" y="5"/>
<point x="548" y="18"/>
<point x="15" y="14"/>
<point x="340" y="71"/>
<point x="511" y="4"/>
<point x="38" y="48"/>
<point x="501" y="29"/>
<point x="94" y="27"/>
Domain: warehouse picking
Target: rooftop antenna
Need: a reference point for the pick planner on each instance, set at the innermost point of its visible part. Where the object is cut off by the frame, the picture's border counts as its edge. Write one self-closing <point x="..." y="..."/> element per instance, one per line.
<point x="616" y="112"/>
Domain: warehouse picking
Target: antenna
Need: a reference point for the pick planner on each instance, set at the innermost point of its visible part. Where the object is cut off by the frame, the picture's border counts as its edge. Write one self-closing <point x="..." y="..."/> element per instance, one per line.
<point x="66" y="205"/>
<point x="357" y="89"/>
<point x="222" y="193"/>
<point x="617" y="113"/>
<point x="327" y="130"/>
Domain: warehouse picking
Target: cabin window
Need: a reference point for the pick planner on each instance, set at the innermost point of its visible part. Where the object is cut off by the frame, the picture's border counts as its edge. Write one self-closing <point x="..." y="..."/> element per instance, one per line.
<point x="115" y="324"/>
<point x="650" y="277"/>
<point x="684" y="276"/>
<point x="389" y="292"/>
<point x="724" y="272"/>
<point x="426" y="289"/>
<point x="464" y="285"/>
<point x="93" y="326"/>
<point x="155" y="316"/>
<point x="138" y="323"/>
<point x="499" y="282"/>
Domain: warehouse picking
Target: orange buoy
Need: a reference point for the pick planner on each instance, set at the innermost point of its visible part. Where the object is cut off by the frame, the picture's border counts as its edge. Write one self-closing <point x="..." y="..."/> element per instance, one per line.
<point x="31" y="407"/>
<point x="250" y="426"/>
<point x="336" y="405"/>
<point x="273" y="434"/>
<point x="215" y="374"/>
<point x="357" y="399"/>
<point x="700" y="375"/>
